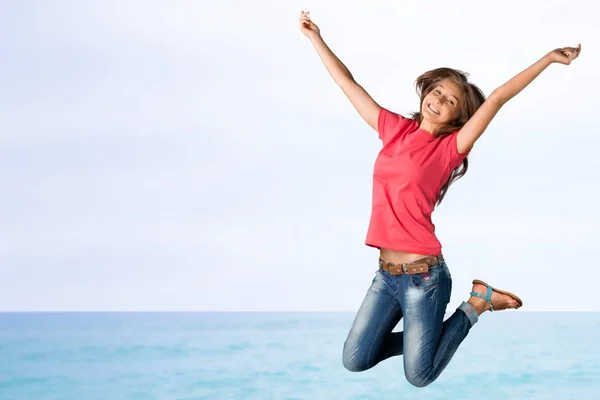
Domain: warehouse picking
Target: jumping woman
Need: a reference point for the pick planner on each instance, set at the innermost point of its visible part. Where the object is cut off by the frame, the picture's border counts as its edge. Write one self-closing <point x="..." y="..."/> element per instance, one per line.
<point x="420" y="157"/>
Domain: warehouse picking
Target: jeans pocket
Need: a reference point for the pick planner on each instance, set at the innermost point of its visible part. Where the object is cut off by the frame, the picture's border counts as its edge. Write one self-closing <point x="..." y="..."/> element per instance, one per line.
<point x="427" y="280"/>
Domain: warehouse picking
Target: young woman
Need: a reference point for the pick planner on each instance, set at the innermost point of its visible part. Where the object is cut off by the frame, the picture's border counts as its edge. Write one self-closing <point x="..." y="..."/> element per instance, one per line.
<point x="421" y="156"/>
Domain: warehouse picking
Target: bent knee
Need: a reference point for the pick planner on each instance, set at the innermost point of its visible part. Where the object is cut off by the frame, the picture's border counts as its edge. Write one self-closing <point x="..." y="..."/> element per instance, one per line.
<point x="418" y="380"/>
<point x="354" y="360"/>
<point x="355" y="364"/>
<point x="420" y="383"/>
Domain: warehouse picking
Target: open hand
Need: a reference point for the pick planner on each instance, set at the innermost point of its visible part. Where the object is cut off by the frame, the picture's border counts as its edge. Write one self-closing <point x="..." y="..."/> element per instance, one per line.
<point x="565" y="55"/>
<point x="307" y="26"/>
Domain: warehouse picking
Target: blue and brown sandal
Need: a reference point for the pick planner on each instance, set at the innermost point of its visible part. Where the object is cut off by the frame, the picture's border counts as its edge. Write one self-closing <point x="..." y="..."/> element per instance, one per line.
<point x="488" y="296"/>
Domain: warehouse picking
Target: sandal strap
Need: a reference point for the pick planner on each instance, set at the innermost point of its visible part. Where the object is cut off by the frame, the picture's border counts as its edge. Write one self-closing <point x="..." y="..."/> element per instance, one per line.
<point x="487" y="297"/>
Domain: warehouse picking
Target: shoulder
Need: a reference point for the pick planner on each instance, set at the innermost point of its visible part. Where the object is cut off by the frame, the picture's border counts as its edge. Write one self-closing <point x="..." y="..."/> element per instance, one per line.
<point x="391" y="124"/>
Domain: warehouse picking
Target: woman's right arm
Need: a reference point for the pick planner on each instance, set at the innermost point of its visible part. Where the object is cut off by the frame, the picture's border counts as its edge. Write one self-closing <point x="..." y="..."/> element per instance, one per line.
<point x="367" y="108"/>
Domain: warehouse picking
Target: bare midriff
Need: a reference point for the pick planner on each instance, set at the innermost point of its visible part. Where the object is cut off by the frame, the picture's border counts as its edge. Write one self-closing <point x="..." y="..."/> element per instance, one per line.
<point x="400" y="257"/>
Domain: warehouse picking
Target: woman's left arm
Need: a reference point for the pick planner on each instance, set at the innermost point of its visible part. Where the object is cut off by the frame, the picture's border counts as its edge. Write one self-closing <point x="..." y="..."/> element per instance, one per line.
<point x="479" y="122"/>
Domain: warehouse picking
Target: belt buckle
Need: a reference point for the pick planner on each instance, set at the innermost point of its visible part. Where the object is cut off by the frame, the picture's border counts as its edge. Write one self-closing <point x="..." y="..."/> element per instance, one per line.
<point x="404" y="269"/>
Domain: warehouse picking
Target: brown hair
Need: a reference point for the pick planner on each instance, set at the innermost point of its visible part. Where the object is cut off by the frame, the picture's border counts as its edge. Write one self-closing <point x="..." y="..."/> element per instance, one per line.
<point x="473" y="99"/>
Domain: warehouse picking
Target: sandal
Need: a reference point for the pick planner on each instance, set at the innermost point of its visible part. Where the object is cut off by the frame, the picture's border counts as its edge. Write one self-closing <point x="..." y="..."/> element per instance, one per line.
<point x="488" y="295"/>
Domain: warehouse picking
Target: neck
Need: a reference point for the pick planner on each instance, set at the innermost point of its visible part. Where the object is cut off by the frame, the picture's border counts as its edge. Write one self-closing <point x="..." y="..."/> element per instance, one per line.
<point x="428" y="126"/>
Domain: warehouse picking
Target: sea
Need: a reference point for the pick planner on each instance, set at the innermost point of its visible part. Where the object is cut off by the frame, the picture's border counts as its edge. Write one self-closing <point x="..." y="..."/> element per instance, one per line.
<point x="292" y="355"/>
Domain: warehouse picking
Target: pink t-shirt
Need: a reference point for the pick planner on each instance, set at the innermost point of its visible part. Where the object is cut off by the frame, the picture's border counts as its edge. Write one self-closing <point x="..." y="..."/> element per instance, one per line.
<point x="409" y="171"/>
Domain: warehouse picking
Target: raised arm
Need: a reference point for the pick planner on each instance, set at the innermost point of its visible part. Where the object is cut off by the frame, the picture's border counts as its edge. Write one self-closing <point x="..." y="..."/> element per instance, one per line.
<point x="367" y="108"/>
<point x="478" y="123"/>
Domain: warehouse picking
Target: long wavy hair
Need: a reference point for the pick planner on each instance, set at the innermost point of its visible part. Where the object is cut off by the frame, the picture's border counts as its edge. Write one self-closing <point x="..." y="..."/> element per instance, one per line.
<point x="473" y="99"/>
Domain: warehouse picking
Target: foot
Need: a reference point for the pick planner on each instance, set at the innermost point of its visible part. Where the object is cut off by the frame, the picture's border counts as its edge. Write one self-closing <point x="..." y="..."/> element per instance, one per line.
<point x="499" y="300"/>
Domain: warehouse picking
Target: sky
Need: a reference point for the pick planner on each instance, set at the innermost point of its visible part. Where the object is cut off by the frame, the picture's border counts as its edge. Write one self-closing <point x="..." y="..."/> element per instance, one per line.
<point x="196" y="155"/>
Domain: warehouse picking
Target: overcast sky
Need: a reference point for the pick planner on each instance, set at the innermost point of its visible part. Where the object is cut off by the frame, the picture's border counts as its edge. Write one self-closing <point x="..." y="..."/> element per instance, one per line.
<point x="195" y="155"/>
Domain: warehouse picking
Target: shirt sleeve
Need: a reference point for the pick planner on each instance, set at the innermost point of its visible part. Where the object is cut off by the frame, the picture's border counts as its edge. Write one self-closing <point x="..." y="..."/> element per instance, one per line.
<point x="391" y="125"/>
<point x="451" y="149"/>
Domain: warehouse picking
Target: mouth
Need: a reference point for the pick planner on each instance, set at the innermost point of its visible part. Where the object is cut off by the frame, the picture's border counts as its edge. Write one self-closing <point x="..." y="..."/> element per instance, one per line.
<point x="433" y="109"/>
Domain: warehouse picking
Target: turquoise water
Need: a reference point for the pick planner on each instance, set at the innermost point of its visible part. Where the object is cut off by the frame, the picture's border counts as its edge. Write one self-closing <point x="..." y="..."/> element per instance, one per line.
<point x="508" y="355"/>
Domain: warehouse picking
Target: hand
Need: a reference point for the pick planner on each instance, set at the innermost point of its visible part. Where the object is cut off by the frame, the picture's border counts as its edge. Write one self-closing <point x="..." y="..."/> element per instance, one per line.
<point x="307" y="26"/>
<point x="565" y="55"/>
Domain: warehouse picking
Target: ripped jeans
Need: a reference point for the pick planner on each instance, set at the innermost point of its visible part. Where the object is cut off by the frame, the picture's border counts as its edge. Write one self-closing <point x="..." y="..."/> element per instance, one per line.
<point x="427" y="341"/>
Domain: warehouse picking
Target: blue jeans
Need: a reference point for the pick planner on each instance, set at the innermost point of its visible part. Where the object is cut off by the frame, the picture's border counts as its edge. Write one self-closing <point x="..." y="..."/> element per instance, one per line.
<point x="427" y="341"/>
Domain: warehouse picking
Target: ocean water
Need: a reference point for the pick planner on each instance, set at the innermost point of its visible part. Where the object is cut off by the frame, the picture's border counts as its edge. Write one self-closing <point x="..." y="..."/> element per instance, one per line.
<point x="507" y="355"/>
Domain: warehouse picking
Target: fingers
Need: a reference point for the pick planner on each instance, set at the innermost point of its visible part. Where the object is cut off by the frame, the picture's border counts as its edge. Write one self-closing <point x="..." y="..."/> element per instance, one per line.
<point x="577" y="51"/>
<point x="571" y="52"/>
<point x="567" y="53"/>
<point x="306" y="23"/>
<point x="305" y="16"/>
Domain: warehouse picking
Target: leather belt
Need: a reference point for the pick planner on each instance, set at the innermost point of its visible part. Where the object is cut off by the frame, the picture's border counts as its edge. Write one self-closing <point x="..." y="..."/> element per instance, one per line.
<point x="420" y="266"/>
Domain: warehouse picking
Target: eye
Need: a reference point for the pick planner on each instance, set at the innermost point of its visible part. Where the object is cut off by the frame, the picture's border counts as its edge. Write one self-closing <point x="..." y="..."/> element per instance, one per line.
<point x="438" y="92"/>
<point x="451" y="102"/>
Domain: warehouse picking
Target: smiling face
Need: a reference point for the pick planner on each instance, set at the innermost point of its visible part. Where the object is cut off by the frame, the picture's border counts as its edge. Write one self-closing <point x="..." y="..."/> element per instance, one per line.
<point x="442" y="106"/>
